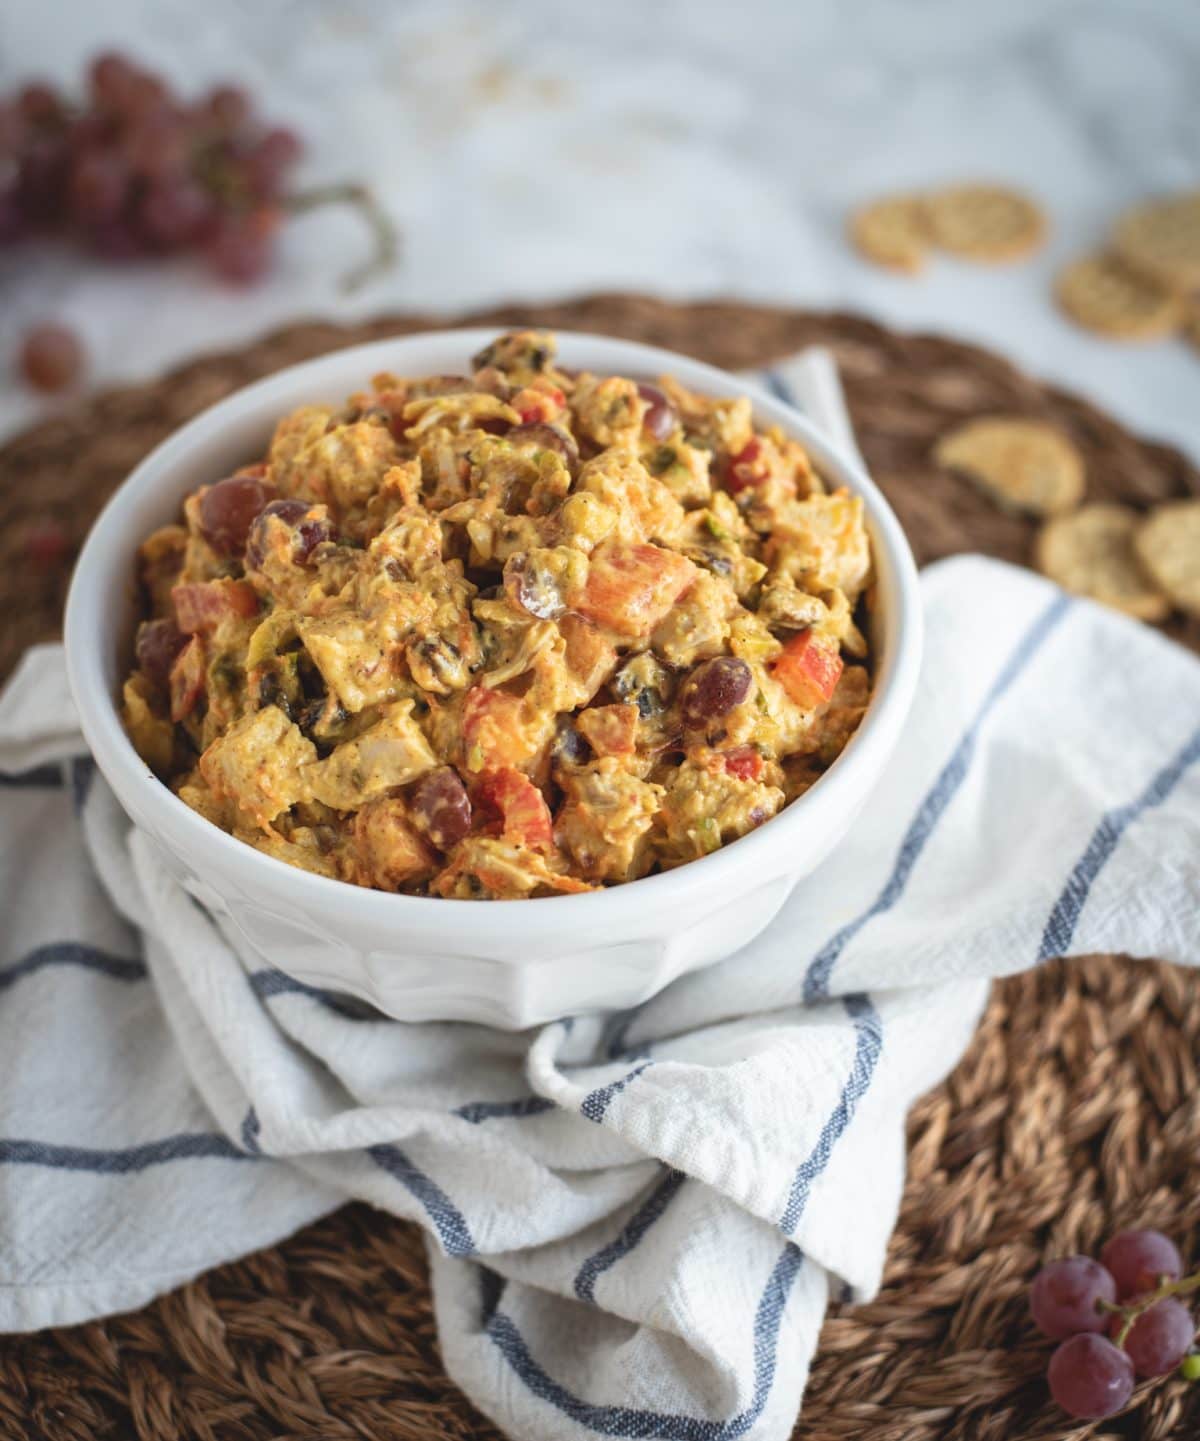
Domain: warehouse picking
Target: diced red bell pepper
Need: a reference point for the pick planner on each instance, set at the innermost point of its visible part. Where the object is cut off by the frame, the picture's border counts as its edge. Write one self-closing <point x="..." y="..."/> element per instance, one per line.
<point x="610" y="730"/>
<point x="744" y="762"/>
<point x="748" y="467"/>
<point x="630" y="588"/>
<point x="539" y="404"/>
<point x="523" y="816"/>
<point x="808" y="669"/>
<point x="495" y="730"/>
<point x="203" y="605"/>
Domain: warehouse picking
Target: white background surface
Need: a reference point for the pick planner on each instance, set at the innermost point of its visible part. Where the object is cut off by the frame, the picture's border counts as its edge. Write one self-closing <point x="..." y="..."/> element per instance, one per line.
<point x="545" y="149"/>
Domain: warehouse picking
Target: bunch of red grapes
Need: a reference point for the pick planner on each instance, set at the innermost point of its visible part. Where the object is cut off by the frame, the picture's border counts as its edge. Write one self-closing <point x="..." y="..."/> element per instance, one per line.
<point x="136" y="171"/>
<point x="1118" y="1319"/>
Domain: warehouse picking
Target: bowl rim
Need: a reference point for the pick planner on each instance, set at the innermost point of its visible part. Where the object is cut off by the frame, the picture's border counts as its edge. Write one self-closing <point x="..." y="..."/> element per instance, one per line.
<point x="894" y="680"/>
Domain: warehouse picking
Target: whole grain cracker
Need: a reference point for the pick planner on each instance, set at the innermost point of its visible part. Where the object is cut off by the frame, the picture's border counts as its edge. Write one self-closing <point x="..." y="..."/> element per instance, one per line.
<point x="1168" y="545"/>
<point x="1104" y="295"/>
<point x="1023" y="464"/>
<point x="984" y="222"/>
<point x="891" y="232"/>
<point x="1162" y="240"/>
<point x="1091" y="552"/>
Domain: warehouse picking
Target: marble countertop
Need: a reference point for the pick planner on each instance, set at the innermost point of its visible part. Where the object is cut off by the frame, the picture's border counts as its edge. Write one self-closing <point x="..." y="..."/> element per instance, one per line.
<point x="534" y="150"/>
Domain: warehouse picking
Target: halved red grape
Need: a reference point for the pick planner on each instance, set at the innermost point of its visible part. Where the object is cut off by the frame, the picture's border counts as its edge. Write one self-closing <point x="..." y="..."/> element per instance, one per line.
<point x="1161" y="1337"/>
<point x="713" y="689"/>
<point x="440" y="807"/>
<point x="533" y="588"/>
<point x="51" y="357"/>
<point x="1090" y="1377"/>
<point x="158" y="644"/>
<point x="308" y="531"/>
<point x="660" y="418"/>
<point x="1065" y="1297"/>
<point x="548" y="437"/>
<point x="228" y="510"/>
<point x="1139" y="1259"/>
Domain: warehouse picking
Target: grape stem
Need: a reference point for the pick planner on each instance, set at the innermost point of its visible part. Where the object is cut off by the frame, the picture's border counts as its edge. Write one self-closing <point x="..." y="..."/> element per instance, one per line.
<point x="1131" y="1314"/>
<point x="385" y="236"/>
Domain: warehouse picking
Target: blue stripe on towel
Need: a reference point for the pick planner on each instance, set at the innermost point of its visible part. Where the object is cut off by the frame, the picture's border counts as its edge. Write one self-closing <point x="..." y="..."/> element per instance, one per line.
<point x="629" y="1421"/>
<point x="41" y="778"/>
<point x="868" y="1043"/>
<point x="270" y="982"/>
<point x="1060" y="927"/>
<point x="629" y="1236"/>
<point x="251" y="1129"/>
<point x="73" y="953"/>
<point x="595" y="1103"/>
<point x="125" y="1160"/>
<point x="448" y="1220"/>
<point x="476" y="1111"/>
<point x="935" y="803"/>
<point x="83" y="773"/>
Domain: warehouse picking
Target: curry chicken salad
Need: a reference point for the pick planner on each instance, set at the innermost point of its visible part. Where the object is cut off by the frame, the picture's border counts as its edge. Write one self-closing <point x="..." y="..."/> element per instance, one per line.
<point x="518" y="633"/>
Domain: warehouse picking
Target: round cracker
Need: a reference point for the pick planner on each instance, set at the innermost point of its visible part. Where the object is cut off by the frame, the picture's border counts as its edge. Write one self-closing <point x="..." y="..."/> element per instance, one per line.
<point x="984" y="222"/>
<point x="1162" y="240"/>
<point x="891" y="232"/>
<point x="1023" y="464"/>
<point x="1091" y="553"/>
<point x="1104" y="295"/>
<point x="1168" y="545"/>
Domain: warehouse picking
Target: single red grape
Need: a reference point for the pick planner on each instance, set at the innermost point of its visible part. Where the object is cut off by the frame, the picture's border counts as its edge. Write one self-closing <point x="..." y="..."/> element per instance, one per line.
<point x="1161" y="1337"/>
<point x="98" y="186"/>
<point x="51" y="357"/>
<point x="39" y="104"/>
<point x="241" y="247"/>
<point x="269" y="159"/>
<point x="1064" y="1297"/>
<point x="1139" y="1259"/>
<point x="228" y="510"/>
<point x="173" y="213"/>
<point x="109" y="78"/>
<point x="227" y="107"/>
<point x="1090" y="1377"/>
<point x="158" y="151"/>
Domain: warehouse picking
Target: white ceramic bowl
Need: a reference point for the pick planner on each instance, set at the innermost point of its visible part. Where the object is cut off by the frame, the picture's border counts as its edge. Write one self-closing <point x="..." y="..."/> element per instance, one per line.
<point x="514" y="964"/>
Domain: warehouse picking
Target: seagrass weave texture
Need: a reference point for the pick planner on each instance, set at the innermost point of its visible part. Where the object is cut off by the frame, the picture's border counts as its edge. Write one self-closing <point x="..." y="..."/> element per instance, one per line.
<point x="1075" y="1111"/>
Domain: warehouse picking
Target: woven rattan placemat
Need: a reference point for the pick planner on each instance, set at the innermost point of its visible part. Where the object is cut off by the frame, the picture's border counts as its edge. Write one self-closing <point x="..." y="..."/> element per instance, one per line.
<point x="1075" y="1111"/>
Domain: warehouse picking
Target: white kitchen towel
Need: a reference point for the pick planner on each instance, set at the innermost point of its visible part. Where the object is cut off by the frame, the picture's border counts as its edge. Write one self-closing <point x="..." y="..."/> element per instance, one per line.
<point x="634" y="1222"/>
